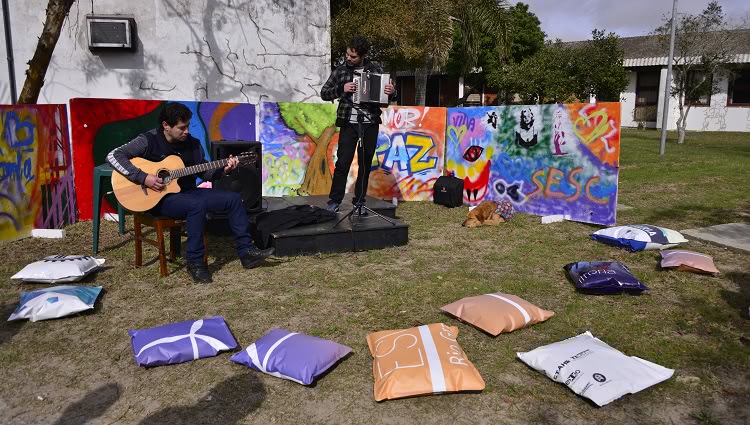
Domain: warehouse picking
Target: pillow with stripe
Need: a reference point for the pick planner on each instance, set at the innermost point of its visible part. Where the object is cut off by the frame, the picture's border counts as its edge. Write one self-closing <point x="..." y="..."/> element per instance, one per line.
<point x="293" y="356"/>
<point x="422" y="360"/>
<point x="497" y="313"/>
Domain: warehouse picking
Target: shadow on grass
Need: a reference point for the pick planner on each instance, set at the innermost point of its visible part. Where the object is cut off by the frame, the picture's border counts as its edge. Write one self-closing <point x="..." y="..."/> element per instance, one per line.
<point x="697" y="216"/>
<point x="227" y="403"/>
<point x="91" y="406"/>
<point x="9" y="329"/>
<point x="739" y="300"/>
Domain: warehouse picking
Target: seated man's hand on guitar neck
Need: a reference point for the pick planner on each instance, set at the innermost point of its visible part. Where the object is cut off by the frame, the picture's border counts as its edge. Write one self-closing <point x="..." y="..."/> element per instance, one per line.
<point x="232" y="163"/>
<point x="154" y="183"/>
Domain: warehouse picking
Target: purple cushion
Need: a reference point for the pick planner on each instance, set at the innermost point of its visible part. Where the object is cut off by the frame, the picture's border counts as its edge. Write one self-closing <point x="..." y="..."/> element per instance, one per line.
<point x="293" y="356"/>
<point x="603" y="277"/>
<point x="181" y="342"/>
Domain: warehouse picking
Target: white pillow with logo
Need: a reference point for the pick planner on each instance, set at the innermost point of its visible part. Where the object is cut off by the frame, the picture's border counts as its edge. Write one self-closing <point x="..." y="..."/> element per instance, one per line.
<point x="59" y="269"/>
<point x="638" y="237"/>
<point x="593" y="369"/>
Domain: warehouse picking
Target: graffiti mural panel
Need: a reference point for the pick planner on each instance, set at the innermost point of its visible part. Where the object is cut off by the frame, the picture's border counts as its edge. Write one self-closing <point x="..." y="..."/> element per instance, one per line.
<point x="100" y="125"/>
<point x="545" y="159"/>
<point x="300" y="141"/>
<point x="36" y="185"/>
<point x="410" y="153"/>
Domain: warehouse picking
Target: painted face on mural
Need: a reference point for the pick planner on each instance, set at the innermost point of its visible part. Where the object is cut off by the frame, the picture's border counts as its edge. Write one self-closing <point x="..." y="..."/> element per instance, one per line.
<point x="527" y="119"/>
<point x="353" y="58"/>
<point x="177" y="133"/>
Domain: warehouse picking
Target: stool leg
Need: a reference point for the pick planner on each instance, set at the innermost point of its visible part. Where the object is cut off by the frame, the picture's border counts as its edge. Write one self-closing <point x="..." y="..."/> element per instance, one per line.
<point x="205" y="249"/>
<point x="174" y="242"/>
<point x="138" y="242"/>
<point x="97" y="211"/>
<point x="162" y="250"/>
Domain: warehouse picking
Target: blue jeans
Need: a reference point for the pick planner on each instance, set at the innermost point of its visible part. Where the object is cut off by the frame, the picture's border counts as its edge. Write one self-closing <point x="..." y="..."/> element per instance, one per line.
<point x="193" y="205"/>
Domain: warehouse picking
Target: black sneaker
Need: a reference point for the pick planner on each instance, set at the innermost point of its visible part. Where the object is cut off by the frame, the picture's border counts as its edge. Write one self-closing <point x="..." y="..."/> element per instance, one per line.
<point x="255" y="256"/>
<point x="360" y="211"/>
<point x="199" y="272"/>
<point x="333" y="207"/>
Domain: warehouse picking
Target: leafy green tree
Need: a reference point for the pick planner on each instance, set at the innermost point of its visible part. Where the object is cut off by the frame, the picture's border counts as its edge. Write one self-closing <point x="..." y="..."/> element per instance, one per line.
<point x="702" y="50"/>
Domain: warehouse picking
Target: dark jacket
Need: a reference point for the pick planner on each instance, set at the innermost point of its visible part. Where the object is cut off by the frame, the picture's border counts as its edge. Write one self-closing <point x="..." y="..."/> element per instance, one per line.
<point x="334" y="89"/>
<point x="153" y="146"/>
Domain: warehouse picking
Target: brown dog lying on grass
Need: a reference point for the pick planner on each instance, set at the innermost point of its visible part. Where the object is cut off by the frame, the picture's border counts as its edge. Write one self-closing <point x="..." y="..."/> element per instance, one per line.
<point x="483" y="215"/>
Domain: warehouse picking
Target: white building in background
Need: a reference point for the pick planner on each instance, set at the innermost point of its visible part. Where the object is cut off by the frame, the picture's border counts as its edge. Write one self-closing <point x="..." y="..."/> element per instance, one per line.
<point x="643" y="99"/>
<point x="201" y="50"/>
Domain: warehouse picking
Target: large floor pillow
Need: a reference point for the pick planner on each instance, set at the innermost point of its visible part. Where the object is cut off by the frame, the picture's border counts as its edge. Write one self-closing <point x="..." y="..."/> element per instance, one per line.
<point x="293" y="356"/>
<point x="59" y="269"/>
<point x="58" y="301"/>
<point x="497" y="313"/>
<point x="604" y="277"/>
<point x="593" y="369"/>
<point x="181" y="342"/>
<point x="637" y="237"/>
<point x="688" y="261"/>
<point x="422" y="360"/>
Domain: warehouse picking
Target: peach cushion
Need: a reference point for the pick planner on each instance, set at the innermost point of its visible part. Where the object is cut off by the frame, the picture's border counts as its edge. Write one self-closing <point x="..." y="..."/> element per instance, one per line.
<point x="497" y="313"/>
<point x="422" y="360"/>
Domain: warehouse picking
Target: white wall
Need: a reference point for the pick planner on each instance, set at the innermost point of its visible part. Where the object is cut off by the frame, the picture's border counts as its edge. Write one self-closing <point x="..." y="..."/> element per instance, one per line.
<point x="627" y="102"/>
<point x="233" y="51"/>
<point x="716" y="117"/>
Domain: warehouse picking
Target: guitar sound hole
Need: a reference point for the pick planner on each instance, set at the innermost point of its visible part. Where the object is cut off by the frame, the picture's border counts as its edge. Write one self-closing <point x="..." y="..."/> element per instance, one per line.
<point x="164" y="176"/>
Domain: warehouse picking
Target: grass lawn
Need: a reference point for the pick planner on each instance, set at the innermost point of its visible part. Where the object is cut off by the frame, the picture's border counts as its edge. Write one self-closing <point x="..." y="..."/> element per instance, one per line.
<point x="81" y="369"/>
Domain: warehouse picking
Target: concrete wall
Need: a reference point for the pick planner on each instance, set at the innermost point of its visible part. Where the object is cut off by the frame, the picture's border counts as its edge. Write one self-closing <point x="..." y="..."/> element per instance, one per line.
<point x="203" y="50"/>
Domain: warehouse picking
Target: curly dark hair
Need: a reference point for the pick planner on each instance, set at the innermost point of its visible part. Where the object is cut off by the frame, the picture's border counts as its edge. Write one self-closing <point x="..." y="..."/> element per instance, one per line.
<point x="173" y="113"/>
<point x="360" y="45"/>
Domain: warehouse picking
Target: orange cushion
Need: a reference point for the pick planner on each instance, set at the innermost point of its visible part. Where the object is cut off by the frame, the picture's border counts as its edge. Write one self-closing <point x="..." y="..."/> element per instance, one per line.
<point x="422" y="360"/>
<point x="497" y="313"/>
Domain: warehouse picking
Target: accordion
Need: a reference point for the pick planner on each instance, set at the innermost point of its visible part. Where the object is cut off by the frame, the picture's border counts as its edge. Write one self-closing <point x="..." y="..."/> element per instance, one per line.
<point x="370" y="88"/>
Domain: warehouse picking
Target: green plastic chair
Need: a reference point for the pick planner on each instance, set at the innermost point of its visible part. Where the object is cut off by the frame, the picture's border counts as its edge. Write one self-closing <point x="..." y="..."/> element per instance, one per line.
<point x="103" y="174"/>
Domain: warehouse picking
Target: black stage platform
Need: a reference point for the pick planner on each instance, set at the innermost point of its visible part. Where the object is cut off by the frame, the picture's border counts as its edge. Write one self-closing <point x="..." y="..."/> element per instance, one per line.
<point x="352" y="234"/>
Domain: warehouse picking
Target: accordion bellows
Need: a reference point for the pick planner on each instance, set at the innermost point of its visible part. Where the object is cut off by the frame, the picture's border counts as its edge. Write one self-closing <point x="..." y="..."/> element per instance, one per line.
<point x="422" y="360"/>
<point x="497" y="313"/>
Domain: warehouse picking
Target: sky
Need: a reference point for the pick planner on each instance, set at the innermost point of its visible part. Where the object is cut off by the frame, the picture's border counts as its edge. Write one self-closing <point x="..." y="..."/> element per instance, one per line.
<point x="573" y="20"/>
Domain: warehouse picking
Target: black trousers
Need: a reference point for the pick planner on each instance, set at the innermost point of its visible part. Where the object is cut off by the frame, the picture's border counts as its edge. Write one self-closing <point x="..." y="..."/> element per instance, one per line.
<point x="348" y="137"/>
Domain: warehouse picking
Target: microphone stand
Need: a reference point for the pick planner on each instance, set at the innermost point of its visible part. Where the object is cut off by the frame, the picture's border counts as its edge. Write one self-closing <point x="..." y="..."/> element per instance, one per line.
<point x="359" y="207"/>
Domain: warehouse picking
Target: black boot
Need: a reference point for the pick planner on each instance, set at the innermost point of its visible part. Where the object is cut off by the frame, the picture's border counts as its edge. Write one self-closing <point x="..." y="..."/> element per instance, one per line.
<point x="199" y="272"/>
<point x="255" y="256"/>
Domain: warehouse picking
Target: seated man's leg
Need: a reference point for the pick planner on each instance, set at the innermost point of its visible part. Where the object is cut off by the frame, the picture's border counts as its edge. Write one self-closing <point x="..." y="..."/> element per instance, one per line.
<point x="220" y="201"/>
<point x="193" y="210"/>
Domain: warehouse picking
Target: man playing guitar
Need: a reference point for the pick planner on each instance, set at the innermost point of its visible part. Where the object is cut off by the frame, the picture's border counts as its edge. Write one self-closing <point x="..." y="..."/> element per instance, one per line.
<point x="191" y="203"/>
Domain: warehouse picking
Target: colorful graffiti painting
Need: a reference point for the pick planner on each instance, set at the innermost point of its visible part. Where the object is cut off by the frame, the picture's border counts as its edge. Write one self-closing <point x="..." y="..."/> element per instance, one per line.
<point x="298" y="140"/>
<point x="410" y="154"/>
<point x="36" y="185"/>
<point x="545" y="159"/>
<point x="299" y="151"/>
<point x="100" y="125"/>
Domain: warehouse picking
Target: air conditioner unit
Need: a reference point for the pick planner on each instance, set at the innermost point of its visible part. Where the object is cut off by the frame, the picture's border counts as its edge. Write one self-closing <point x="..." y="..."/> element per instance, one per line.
<point x="111" y="31"/>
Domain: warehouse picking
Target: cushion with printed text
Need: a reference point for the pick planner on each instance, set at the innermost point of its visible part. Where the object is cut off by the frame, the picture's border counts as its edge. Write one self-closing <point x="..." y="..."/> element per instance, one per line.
<point x="422" y="360"/>
<point x="637" y="237"/>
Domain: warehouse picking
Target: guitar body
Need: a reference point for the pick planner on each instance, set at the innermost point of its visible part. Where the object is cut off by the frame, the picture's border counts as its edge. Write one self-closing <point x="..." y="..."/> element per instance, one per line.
<point x="139" y="198"/>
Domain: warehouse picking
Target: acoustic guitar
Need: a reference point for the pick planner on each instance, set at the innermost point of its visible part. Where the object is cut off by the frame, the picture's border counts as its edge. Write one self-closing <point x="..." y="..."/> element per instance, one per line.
<point x="137" y="197"/>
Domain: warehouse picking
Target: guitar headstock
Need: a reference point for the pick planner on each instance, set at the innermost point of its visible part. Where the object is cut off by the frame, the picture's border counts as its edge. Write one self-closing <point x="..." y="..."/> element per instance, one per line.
<point x="247" y="158"/>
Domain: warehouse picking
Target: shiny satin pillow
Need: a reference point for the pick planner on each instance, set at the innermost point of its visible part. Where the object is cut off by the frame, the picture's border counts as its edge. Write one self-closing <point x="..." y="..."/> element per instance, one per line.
<point x="688" y="261"/>
<point x="497" y="313"/>
<point x="418" y="361"/>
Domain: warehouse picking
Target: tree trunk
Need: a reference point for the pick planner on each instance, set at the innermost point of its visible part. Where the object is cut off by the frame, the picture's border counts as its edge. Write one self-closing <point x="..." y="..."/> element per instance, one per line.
<point x="318" y="177"/>
<point x="57" y="10"/>
<point x="420" y="85"/>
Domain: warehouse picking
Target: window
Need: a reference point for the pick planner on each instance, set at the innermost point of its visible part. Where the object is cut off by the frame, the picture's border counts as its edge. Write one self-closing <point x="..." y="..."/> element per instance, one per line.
<point x="739" y="88"/>
<point x="647" y="88"/>
<point x="699" y="88"/>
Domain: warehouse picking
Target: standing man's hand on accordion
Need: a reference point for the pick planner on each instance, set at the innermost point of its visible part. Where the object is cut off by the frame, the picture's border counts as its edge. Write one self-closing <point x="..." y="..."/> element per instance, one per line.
<point x="389" y="89"/>
<point x="350" y="87"/>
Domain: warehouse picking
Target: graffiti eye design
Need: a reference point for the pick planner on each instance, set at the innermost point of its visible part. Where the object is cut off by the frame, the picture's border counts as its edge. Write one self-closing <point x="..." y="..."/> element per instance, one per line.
<point x="500" y="187"/>
<point x="473" y="153"/>
<point x="513" y="192"/>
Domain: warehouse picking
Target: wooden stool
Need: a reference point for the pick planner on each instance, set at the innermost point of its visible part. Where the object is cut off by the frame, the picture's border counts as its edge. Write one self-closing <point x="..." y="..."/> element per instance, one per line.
<point x="176" y="230"/>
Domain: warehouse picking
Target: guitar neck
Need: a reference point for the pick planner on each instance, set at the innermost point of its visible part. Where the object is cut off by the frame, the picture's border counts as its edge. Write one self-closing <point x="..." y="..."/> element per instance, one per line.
<point x="195" y="169"/>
